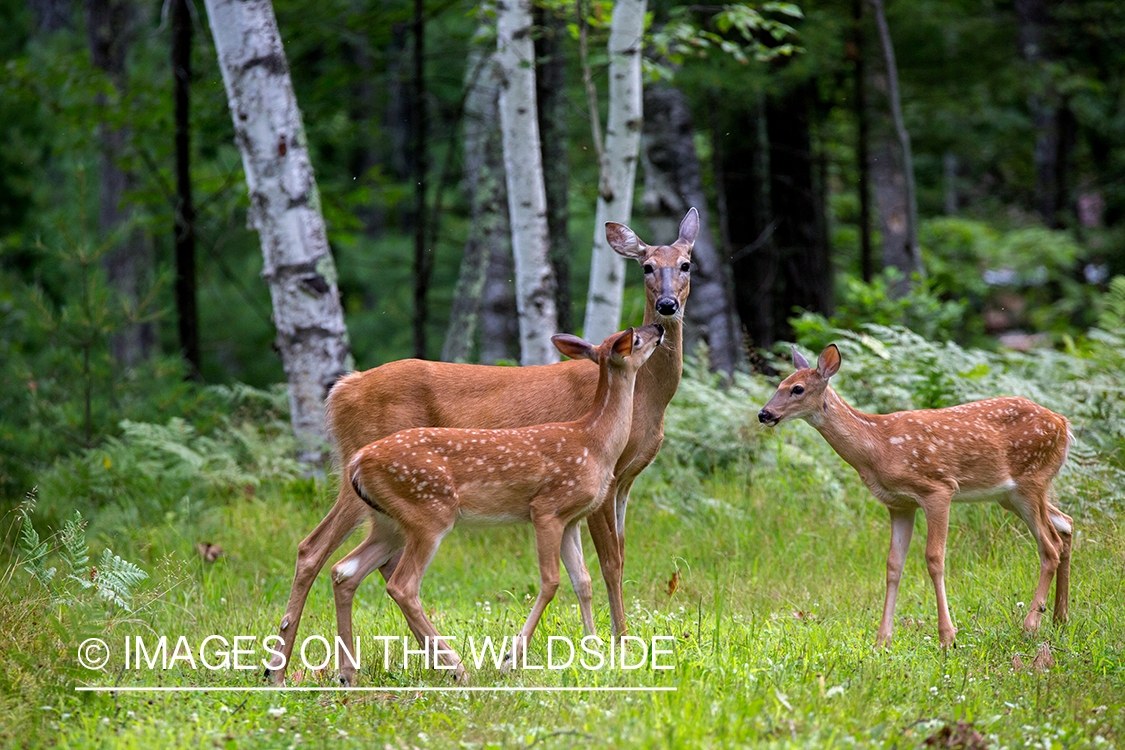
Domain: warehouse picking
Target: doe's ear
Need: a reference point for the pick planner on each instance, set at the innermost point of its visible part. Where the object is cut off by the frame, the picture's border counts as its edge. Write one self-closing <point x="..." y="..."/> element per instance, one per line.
<point x="574" y="347"/>
<point x="623" y="344"/>
<point x="829" y="362"/>
<point x="799" y="361"/>
<point x="689" y="227"/>
<point x="624" y="240"/>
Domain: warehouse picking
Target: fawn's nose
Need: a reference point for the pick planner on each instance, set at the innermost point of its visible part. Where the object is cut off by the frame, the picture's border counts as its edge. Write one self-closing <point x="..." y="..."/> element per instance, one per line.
<point x="667" y="305"/>
<point x="765" y="416"/>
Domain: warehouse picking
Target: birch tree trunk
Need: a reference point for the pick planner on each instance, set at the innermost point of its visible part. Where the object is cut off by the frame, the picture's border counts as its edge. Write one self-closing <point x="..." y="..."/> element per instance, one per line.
<point x="673" y="184"/>
<point x="285" y="211"/>
<point x="618" y="168"/>
<point x="527" y="199"/>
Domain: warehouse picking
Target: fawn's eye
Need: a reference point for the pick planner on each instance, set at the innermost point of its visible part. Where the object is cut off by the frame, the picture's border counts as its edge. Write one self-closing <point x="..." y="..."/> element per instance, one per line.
<point x="648" y="268"/>
<point x="685" y="267"/>
<point x="797" y="390"/>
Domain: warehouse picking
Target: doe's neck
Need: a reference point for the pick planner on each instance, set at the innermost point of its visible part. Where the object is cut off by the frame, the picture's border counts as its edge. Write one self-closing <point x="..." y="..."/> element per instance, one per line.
<point x="664" y="369"/>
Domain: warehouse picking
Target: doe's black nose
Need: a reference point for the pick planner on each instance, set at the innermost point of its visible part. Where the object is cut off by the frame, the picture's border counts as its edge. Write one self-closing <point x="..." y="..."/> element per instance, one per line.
<point x="667" y="305"/>
<point x="764" y="416"/>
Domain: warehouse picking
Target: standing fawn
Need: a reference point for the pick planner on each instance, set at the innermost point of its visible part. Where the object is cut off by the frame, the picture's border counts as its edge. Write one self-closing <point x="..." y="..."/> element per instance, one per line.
<point x="424" y="481"/>
<point x="1002" y="449"/>
<point x="370" y="405"/>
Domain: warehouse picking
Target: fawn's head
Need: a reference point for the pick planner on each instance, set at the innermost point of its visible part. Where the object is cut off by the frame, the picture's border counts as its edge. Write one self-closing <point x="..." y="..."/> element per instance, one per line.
<point x="803" y="393"/>
<point x="626" y="350"/>
<point x="667" y="268"/>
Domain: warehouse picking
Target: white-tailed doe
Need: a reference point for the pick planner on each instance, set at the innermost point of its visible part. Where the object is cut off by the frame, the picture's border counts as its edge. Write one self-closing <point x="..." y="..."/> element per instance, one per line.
<point x="1002" y="449"/>
<point x="422" y="482"/>
<point x="367" y="406"/>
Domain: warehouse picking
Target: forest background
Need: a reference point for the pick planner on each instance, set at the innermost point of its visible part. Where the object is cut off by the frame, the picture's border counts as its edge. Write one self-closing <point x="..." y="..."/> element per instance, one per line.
<point x="129" y="422"/>
<point x="776" y="123"/>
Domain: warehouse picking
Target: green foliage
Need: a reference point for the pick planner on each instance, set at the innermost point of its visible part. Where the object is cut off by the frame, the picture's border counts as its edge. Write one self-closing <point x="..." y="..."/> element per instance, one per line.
<point x="922" y="309"/>
<point x="1027" y="272"/>
<point x="113" y="579"/>
<point x="1112" y="316"/>
<point x="150" y="468"/>
<point x="682" y="37"/>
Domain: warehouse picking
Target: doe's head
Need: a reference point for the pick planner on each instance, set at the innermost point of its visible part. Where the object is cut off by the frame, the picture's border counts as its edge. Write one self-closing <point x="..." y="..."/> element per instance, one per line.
<point x="626" y="350"/>
<point x="667" y="268"/>
<point x="802" y="393"/>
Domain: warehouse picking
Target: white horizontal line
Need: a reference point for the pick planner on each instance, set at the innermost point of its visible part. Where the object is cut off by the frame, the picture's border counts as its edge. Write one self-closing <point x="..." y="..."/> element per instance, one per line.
<point x="415" y="689"/>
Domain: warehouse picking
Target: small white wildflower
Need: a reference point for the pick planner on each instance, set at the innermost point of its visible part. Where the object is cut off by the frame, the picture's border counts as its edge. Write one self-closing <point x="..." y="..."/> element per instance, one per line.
<point x="276" y="711"/>
<point x="105" y="720"/>
<point x="933" y="690"/>
<point x="1021" y="605"/>
<point x="834" y="691"/>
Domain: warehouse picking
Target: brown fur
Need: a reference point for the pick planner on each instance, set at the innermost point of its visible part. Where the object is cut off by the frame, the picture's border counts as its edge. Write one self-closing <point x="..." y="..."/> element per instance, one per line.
<point x="367" y="406"/>
<point x="428" y="479"/>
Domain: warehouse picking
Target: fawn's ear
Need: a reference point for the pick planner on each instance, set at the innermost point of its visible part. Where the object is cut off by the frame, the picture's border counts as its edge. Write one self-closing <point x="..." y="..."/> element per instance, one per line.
<point x="574" y="347"/>
<point x="799" y="360"/>
<point x="624" y="240"/>
<point x="829" y="362"/>
<point x="623" y="344"/>
<point x="689" y="227"/>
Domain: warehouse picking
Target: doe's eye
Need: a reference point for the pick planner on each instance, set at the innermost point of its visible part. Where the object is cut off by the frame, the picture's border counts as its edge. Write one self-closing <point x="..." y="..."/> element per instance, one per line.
<point x="648" y="268"/>
<point x="797" y="390"/>
<point x="685" y="267"/>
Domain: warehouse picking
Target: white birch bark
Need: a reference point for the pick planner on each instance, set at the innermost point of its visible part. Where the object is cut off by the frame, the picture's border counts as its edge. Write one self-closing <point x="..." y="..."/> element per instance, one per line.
<point x="285" y="211"/>
<point x="619" y="167"/>
<point x="527" y="197"/>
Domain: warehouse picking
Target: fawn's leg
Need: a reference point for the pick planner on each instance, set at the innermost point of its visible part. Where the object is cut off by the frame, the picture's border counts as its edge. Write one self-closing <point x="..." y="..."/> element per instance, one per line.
<point x="1031" y="501"/>
<point x="1064" y="525"/>
<point x="405" y="586"/>
<point x="348" y="512"/>
<point x="347" y="574"/>
<point x="579" y="576"/>
<point x="548" y="539"/>
<point x="936" y="508"/>
<point x="902" y="528"/>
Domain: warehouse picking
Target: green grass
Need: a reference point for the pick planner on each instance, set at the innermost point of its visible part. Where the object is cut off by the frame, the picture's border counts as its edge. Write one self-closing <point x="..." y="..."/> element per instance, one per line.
<point x="779" y="593"/>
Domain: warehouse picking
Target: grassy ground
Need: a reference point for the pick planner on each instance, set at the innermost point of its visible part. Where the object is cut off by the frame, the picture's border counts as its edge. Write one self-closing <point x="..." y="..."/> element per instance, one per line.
<point x="778" y="588"/>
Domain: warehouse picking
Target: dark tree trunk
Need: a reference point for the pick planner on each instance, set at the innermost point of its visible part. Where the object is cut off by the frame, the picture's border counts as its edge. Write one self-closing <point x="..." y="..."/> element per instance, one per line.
<point x="423" y="256"/>
<point x="1053" y="122"/>
<point x="185" y="209"/>
<point x="488" y="209"/>
<point x="51" y="15"/>
<point x="554" y="142"/>
<point x="802" y="247"/>
<point x="110" y="28"/>
<point x="862" y="140"/>
<point x="910" y="261"/>
<point x="673" y="184"/>
<point x="741" y="154"/>
<point x="890" y="196"/>
<point x="499" y="320"/>
<point x="399" y="122"/>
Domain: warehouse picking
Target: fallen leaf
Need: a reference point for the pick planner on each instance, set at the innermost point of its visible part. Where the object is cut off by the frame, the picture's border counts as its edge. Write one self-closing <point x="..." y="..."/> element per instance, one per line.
<point x="1044" y="659"/>
<point x="960" y="736"/>
<point x="673" y="582"/>
<point x="209" y="552"/>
